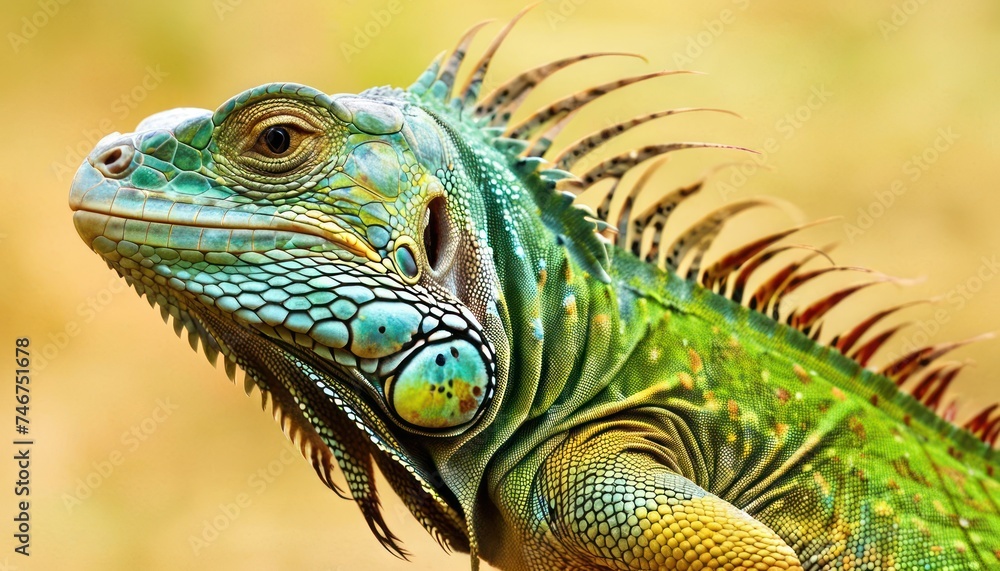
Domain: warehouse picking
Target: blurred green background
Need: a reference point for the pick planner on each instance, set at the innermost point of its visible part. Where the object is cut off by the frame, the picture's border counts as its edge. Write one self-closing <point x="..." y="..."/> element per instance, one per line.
<point x="142" y="450"/>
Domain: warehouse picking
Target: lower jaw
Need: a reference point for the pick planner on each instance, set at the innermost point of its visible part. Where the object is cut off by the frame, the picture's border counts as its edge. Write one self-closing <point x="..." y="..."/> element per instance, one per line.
<point x="186" y="308"/>
<point x="162" y="266"/>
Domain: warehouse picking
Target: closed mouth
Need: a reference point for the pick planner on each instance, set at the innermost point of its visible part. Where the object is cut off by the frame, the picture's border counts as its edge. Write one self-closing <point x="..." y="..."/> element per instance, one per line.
<point x="233" y="231"/>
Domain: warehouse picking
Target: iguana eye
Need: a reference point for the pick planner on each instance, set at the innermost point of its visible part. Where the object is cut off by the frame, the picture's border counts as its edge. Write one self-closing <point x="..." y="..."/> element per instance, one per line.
<point x="280" y="144"/>
<point x="277" y="139"/>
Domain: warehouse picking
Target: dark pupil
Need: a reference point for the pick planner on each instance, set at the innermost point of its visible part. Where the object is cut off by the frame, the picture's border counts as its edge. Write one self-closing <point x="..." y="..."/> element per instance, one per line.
<point x="277" y="139"/>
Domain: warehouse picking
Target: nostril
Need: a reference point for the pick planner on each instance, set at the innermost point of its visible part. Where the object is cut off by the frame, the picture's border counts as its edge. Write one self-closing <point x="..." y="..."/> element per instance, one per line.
<point x="115" y="161"/>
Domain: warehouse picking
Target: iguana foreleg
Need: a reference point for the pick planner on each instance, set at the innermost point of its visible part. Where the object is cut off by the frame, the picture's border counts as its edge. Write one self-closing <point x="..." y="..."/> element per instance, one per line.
<point x="608" y="498"/>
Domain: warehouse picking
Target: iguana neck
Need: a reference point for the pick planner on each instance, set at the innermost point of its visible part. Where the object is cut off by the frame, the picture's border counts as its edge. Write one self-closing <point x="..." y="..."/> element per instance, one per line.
<point x="548" y="307"/>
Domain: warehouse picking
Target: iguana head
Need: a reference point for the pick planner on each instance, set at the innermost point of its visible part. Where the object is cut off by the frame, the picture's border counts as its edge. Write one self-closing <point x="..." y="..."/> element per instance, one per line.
<point x="377" y="263"/>
<point x="324" y="222"/>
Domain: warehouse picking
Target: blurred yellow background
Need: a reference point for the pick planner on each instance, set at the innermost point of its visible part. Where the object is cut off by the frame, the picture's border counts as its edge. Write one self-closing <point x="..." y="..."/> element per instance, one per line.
<point x="144" y="453"/>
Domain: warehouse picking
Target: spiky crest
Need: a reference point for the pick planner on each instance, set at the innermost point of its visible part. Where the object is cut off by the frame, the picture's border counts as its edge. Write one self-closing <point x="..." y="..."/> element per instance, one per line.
<point x="595" y="235"/>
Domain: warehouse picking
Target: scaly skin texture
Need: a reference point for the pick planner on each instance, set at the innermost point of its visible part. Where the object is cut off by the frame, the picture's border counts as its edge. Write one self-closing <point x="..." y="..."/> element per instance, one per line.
<point x="408" y="287"/>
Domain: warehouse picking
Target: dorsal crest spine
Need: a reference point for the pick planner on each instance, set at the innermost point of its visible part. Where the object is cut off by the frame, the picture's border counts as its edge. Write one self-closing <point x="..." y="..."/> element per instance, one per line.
<point x="593" y="237"/>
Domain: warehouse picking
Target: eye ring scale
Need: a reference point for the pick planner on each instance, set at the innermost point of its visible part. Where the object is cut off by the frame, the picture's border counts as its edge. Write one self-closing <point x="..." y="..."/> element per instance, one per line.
<point x="405" y="260"/>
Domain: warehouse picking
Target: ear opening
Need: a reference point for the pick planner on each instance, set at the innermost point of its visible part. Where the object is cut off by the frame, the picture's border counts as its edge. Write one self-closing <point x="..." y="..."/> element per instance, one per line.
<point x="436" y="233"/>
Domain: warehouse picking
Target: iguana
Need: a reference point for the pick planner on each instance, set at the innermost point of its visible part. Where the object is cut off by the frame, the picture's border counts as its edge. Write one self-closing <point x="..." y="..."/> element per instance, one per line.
<point x="407" y="278"/>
